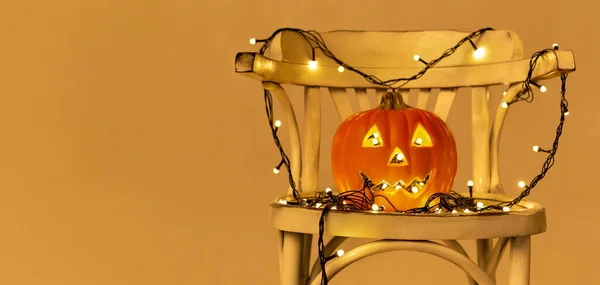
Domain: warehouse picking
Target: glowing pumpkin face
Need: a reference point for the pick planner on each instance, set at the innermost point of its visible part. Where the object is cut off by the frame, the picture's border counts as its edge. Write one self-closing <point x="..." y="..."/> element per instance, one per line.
<point x="410" y="153"/>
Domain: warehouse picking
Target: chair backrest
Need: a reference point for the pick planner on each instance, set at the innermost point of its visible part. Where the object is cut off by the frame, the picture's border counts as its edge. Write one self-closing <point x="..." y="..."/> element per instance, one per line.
<point x="390" y="55"/>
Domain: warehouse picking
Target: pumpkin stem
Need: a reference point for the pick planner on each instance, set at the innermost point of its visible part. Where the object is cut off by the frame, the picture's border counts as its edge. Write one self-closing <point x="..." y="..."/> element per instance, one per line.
<point x="393" y="101"/>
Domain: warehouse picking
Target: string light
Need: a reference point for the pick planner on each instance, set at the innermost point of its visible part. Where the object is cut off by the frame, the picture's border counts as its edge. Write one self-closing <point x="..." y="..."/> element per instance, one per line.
<point x="417" y="57"/>
<point x="521" y="184"/>
<point x="479" y="53"/>
<point x="504" y="93"/>
<point x="277" y="125"/>
<point x="338" y="253"/>
<point x="454" y="212"/>
<point x="470" y="185"/>
<point x="479" y="205"/>
<point x="328" y="190"/>
<point x="276" y="169"/>
<point x="467" y="211"/>
<point x="400" y="157"/>
<point x="253" y="41"/>
<point x="449" y="201"/>
<point x="414" y="189"/>
<point x="566" y="113"/>
<point x="541" y="87"/>
<point x="555" y="46"/>
<point x="341" y="69"/>
<point x="506" y="209"/>
<point x="537" y="148"/>
<point x="312" y="64"/>
<point x="375" y="207"/>
<point x="281" y="201"/>
<point x="418" y="141"/>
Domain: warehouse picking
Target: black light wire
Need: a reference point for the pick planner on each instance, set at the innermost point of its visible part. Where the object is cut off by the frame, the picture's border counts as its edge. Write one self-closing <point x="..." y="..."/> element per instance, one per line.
<point x="364" y="198"/>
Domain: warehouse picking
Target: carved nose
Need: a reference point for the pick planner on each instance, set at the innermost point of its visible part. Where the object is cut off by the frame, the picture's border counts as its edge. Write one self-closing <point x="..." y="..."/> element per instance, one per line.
<point x="397" y="158"/>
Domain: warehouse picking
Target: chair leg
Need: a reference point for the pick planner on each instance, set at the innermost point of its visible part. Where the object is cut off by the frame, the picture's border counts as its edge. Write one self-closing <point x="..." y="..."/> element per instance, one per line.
<point x="520" y="260"/>
<point x="484" y="249"/>
<point x="293" y="244"/>
<point x="306" y="250"/>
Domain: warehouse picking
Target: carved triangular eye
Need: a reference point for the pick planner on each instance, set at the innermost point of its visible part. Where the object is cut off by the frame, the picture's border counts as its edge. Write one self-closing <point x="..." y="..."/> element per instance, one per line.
<point x="373" y="138"/>
<point x="397" y="158"/>
<point x="421" y="137"/>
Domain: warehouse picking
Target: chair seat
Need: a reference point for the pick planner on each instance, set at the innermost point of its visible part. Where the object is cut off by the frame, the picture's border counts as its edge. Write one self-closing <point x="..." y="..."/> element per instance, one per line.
<point x="525" y="218"/>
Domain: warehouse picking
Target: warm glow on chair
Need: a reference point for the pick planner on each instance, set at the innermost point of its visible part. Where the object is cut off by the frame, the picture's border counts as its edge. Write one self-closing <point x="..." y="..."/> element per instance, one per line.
<point x="479" y="53"/>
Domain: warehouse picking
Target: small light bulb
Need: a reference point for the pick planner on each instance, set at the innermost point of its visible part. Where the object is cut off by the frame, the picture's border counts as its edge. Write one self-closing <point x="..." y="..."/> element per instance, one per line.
<point x="340" y="252"/>
<point x="555" y="46"/>
<point x="384" y="185"/>
<point x="327" y="190"/>
<point x="439" y="210"/>
<point x="318" y="205"/>
<point x="536" y="148"/>
<point x="419" y="141"/>
<point x="400" y="157"/>
<point x="504" y="93"/>
<point x="566" y="113"/>
<point x="278" y="123"/>
<point x="275" y="170"/>
<point x="543" y="88"/>
<point x="281" y="201"/>
<point x="312" y="64"/>
<point x="398" y="187"/>
<point x="479" y="53"/>
<point x="414" y="189"/>
<point x="375" y="135"/>
<point x="334" y="208"/>
<point x="467" y="211"/>
<point x="253" y="41"/>
<point x="504" y="105"/>
<point x="454" y="212"/>
<point x="341" y="69"/>
<point x="505" y="209"/>
<point x="375" y="141"/>
<point x="470" y="183"/>
<point x="375" y="207"/>
<point x="521" y="184"/>
<point x="416" y="57"/>
<point x="479" y="205"/>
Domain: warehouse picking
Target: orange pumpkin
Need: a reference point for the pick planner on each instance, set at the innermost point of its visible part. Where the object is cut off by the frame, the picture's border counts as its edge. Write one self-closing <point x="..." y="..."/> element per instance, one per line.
<point x="408" y="152"/>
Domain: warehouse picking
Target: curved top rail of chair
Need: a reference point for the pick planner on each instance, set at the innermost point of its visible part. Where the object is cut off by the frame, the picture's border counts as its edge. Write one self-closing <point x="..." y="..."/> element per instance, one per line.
<point x="255" y="64"/>
<point x="526" y="218"/>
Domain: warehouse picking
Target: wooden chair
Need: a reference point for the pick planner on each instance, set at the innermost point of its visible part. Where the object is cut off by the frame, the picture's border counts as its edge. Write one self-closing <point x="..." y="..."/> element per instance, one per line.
<point x="390" y="55"/>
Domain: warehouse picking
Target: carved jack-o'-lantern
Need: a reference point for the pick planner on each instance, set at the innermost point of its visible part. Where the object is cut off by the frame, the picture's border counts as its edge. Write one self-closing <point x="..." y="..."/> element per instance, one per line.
<point x="408" y="152"/>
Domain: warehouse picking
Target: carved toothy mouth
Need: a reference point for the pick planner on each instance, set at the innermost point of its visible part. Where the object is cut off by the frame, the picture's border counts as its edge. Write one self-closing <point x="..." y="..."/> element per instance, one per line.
<point x="414" y="187"/>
